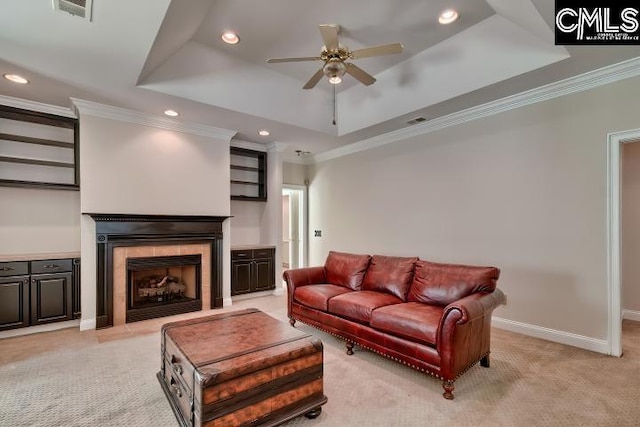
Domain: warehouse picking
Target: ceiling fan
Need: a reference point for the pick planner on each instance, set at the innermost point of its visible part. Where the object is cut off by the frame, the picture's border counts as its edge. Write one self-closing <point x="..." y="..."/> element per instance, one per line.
<point x="335" y="56"/>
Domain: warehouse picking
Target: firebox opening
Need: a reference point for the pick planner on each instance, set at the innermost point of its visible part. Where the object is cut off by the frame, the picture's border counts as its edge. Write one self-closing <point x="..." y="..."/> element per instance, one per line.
<point x="158" y="284"/>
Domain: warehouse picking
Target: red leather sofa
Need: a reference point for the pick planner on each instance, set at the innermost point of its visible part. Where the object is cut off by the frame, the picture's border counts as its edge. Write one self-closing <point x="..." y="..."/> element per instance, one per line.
<point x="433" y="317"/>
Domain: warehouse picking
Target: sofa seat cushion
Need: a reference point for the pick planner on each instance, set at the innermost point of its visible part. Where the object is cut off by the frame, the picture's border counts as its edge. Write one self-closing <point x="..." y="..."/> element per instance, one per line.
<point x="317" y="296"/>
<point x="390" y="274"/>
<point x="412" y="320"/>
<point x="442" y="284"/>
<point x="359" y="305"/>
<point x="346" y="269"/>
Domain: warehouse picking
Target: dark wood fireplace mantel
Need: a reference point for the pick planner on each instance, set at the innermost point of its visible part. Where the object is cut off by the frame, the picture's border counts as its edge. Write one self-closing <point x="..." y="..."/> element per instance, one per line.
<point x="113" y="230"/>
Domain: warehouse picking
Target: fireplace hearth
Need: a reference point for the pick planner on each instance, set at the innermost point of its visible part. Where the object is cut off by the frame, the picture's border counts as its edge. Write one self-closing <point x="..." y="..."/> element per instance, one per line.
<point x="128" y="250"/>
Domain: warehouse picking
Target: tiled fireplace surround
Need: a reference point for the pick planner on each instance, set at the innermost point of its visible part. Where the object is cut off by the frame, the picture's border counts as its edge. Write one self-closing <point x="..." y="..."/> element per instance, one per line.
<point x="119" y="237"/>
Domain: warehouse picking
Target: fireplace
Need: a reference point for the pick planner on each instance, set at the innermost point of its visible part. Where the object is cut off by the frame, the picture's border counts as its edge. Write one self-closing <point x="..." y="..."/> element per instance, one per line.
<point x="163" y="285"/>
<point x="184" y="249"/>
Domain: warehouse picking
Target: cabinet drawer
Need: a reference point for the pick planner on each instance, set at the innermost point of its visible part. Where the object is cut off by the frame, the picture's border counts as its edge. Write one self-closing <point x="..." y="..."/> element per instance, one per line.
<point x="51" y="266"/>
<point x="263" y="253"/>
<point x="14" y="268"/>
<point x="241" y="254"/>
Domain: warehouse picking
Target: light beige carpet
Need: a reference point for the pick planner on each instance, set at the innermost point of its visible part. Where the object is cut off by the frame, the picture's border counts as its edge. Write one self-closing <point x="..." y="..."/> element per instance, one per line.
<point x="531" y="382"/>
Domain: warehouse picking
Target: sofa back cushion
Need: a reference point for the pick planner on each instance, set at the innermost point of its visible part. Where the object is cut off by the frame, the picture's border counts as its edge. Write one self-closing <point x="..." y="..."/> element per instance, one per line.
<point x="346" y="269"/>
<point x="442" y="284"/>
<point x="390" y="274"/>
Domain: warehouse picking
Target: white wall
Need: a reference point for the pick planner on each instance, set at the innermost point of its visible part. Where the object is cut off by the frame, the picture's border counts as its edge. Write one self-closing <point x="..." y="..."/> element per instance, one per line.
<point x="39" y="221"/>
<point x="245" y="222"/>
<point x="631" y="226"/>
<point x="136" y="169"/>
<point x="293" y="173"/>
<point x="524" y="190"/>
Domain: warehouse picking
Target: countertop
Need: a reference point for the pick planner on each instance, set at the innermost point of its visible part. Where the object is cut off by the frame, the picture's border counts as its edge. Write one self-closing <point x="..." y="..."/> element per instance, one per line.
<point x="247" y="247"/>
<point x="37" y="257"/>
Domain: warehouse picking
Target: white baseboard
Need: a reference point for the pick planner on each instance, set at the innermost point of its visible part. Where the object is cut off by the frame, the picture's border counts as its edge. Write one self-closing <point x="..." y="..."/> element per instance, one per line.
<point x="252" y="295"/>
<point x="278" y="291"/>
<point x="562" y="337"/>
<point x="87" y="324"/>
<point x="39" y="328"/>
<point x="631" y="315"/>
<point x="227" y="302"/>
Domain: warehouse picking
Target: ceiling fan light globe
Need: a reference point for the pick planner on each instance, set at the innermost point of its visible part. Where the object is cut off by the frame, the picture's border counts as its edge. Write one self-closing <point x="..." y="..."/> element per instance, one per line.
<point x="334" y="80"/>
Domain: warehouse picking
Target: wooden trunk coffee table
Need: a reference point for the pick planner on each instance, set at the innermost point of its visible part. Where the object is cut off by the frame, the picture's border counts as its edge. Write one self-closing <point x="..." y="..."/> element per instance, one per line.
<point x="240" y="368"/>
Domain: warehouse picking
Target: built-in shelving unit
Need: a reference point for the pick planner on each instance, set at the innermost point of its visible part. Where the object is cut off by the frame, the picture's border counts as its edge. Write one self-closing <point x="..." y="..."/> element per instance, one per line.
<point x="248" y="174"/>
<point x="38" y="150"/>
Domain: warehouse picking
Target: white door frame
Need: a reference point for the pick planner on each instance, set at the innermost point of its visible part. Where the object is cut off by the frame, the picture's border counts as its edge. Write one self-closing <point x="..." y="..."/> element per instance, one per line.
<point x="614" y="262"/>
<point x="304" y="234"/>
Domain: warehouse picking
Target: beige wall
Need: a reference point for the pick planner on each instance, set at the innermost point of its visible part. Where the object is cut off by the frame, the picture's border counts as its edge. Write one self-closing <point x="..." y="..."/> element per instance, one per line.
<point x="245" y="222"/>
<point x="135" y="169"/>
<point x="631" y="226"/>
<point x="524" y="190"/>
<point x="293" y="173"/>
<point x="39" y="221"/>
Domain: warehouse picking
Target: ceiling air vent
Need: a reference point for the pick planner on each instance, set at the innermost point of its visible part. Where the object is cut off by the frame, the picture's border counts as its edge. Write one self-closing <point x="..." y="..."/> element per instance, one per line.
<point x="81" y="8"/>
<point x="416" y="120"/>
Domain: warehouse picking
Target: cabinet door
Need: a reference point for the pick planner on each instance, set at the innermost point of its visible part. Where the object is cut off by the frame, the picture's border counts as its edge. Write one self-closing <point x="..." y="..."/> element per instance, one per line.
<point x="14" y="302"/>
<point x="241" y="276"/>
<point x="51" y="298"/>
<point x="264" y="279"/>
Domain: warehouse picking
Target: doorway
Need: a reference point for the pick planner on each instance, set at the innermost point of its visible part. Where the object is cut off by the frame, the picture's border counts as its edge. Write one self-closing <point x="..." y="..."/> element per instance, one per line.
<point x="294" y="226"/>
<point x="614" y="236"/>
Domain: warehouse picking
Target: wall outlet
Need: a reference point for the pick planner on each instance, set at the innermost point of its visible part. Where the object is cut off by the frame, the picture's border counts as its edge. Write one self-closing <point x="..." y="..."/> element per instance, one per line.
<point x="318" y="233"/>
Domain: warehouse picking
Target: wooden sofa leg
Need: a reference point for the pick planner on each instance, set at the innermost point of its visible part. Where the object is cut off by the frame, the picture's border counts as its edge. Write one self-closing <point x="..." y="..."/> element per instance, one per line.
<point x="485" y="362"/>
<point x="292" y="322"/>
<point x="448" y="387"/>
<point x="349" y="347"/>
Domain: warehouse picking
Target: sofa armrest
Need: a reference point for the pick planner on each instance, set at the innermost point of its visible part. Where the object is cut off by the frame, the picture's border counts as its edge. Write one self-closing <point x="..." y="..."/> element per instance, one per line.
<point x="472" y="306"/>
<point x="464" y="332"/>
<point x="303" y="277"/>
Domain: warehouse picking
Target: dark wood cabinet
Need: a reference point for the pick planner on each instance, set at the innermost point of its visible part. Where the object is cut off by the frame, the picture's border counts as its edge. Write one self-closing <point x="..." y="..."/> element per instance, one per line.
<point x="252" y="270"/>
<point x="38" y="292"/>
<point x="14" y="302"/>
<point x="51" y="299"/>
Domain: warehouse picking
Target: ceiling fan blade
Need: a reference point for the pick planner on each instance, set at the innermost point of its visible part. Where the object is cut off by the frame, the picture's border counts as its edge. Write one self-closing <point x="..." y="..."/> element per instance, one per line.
<point x="377" y="50"/>
<point x="305" y="58"/>
<point x="330" y="36"/>
<point x="361" y="75"/>
<point x="314" y="80"/>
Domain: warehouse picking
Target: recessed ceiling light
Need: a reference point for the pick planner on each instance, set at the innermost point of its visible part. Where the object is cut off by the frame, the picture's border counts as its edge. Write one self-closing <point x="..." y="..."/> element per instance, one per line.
<point x="16" y="79"/>
<point x="230" y="37"/>
<point x="171" y="113"/>
<point x="263" y="132"/>
<point x="448" y="16"/>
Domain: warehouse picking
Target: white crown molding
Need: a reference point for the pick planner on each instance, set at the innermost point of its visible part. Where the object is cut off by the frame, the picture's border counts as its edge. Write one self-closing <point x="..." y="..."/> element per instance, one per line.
<point x="586" y="81"/>
<point x="248" y="145"/>
<point x="124" y="115"/>
<point x="277" y="146"/>
<point x="562" y="337"/>
<point x="25" y="104"/>
<point x="631" y="315"/>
